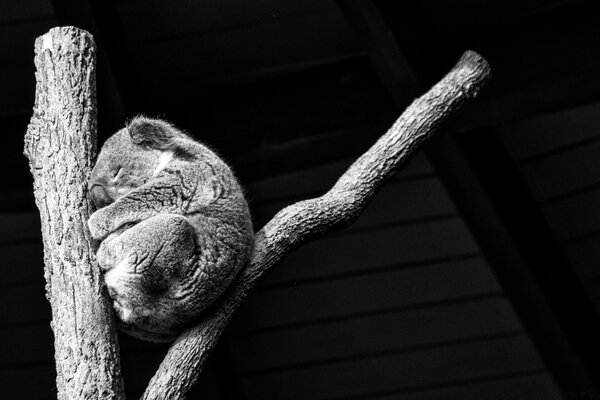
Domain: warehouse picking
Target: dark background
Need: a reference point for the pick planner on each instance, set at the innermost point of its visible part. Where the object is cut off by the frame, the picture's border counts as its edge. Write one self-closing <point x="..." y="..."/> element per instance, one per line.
<point x="474" y="273"/>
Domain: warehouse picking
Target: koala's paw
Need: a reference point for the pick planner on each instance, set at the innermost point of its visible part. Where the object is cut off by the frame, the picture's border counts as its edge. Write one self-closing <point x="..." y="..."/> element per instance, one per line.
<point x="109" y="252"/>
<point x="98" y="225"/>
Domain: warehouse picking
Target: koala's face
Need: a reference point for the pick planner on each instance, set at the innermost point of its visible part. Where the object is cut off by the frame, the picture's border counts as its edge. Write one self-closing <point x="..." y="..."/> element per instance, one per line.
<point x="121" y="167"/>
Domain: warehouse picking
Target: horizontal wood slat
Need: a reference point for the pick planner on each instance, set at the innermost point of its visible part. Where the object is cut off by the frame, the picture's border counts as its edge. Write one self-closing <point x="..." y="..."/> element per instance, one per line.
<point x="523" y="386"/>
<point x="318" y="180"/>
<point x="374" y="333"/>
<point x="156" y="20"/>
<point x="561" y="174"/>
<point x="397" y="202"/>
<point x="363" y="251"/>
<point x="225" y="53"/>
<point x="570" y="219"/>
<point x="421" y="368"/>
<point x="341" y="298"/>
<point x="546" y="134"/>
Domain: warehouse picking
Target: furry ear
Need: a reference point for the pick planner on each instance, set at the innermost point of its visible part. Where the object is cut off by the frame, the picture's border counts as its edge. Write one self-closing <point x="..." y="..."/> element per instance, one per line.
<point x="153" y="133"/>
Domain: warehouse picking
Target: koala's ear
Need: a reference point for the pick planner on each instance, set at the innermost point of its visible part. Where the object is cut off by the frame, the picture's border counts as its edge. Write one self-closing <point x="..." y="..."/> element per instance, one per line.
<point x="154" y="133"/>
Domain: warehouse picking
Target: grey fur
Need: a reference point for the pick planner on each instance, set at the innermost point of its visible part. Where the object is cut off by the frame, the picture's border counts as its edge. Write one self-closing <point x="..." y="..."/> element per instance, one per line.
<point x="174" y="225"/>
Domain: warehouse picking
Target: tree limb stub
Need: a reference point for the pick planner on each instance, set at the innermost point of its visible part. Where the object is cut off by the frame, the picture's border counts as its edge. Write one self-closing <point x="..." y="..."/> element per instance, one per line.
<point x="60" y="144"/>
<point x="300" y="222"/>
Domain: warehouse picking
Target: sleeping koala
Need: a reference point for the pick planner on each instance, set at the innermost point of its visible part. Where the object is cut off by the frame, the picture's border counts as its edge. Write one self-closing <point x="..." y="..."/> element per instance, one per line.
<point x="174" y="225"/>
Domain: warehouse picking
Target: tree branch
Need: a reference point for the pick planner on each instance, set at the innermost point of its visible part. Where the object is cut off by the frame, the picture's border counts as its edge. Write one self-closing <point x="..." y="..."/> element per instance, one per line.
<point x="300" y="222"/>
<point x="61" y="143"/>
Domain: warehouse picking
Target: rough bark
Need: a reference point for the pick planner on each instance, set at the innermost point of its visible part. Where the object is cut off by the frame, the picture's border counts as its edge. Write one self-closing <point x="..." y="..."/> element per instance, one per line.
<point x="307" y="219"/>
<point x="61" y="143"/>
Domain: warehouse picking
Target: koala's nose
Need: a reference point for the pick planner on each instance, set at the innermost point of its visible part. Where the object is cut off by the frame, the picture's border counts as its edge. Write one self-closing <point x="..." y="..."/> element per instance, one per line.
<point x="100" y="196"/>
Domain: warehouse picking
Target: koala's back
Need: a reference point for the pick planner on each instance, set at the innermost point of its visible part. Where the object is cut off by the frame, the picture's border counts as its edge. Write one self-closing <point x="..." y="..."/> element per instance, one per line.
<point x="219" y="213"/>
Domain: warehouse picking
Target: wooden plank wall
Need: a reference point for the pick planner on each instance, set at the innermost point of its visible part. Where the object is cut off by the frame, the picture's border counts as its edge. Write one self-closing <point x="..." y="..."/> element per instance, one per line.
<point x="558" y="157"/>
<point x="237" y="39"/>
<point x="401" y="305"/>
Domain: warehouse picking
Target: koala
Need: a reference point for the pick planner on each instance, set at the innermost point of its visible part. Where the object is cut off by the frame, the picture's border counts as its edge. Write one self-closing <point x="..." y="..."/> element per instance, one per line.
<point x="174" y="226"/>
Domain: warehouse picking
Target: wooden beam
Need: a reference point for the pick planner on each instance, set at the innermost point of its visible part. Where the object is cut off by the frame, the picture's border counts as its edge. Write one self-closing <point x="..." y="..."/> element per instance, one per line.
<point x="391" y="65"/>
<point x="549" y="330"/>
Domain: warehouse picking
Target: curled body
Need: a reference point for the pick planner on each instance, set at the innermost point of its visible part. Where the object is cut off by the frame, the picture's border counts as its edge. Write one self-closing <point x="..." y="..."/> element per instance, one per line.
<point x="174" y="225"/>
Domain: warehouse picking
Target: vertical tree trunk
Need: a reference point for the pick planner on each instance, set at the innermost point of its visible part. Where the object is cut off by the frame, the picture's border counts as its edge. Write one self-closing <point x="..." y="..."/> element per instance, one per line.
<point x="61" y="144"/>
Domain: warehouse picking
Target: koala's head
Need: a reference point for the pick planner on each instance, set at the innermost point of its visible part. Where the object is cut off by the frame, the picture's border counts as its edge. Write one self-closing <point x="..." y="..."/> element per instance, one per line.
<point x="130" y="158"/>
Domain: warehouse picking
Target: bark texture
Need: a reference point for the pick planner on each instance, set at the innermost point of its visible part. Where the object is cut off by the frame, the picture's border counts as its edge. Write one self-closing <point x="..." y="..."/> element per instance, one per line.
<point x="305" y="220"/>
<point x="61" y="144"/>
